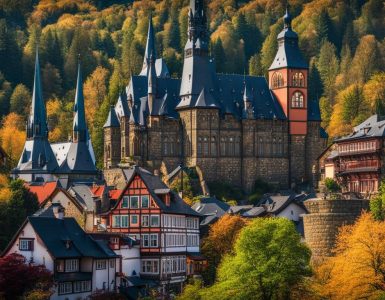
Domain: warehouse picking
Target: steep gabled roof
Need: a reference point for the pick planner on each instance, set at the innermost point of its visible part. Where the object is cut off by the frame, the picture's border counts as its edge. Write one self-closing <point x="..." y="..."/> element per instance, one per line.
<point x="153" y="183"/>
<point x="43" y="190"/>
<point x="112" y="119"/>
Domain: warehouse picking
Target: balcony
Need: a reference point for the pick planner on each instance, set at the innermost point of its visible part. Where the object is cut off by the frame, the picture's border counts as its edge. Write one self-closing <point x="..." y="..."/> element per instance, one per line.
<point x="359" y="167"/>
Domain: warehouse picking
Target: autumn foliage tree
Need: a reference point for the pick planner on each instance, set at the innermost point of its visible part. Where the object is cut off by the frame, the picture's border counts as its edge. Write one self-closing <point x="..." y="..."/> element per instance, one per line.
<point x="358" y="267"/>
<point x="220" y="241"/>
<point x="18" y="278"/>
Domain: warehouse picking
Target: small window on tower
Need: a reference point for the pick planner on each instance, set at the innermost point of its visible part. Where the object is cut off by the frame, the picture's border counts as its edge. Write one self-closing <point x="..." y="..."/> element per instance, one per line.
<point x="277" y="80"/>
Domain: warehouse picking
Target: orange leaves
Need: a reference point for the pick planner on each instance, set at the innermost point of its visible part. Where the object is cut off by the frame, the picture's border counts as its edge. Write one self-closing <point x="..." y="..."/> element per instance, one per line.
<point x="358" y="268"/>
<point x="12" y="135"/>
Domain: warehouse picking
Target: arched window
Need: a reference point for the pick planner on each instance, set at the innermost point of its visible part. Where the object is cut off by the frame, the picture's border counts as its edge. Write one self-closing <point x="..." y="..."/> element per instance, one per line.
<point x="277" y="80"/>
<point x="199" y="146"/>
<point x="213" y="146"/>
<point x="298" y="80"/>
<point x="297" y="100"/>
<point x="205" y="146"/>
<point x="165" y="146"/>
<point x="223" y="146"/>
<point x="230" y="146"/>
<point x="237" y="146"/>
<point x="260" y="147"/>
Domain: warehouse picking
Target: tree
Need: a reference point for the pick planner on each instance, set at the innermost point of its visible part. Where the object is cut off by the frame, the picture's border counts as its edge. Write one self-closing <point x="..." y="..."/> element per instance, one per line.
<point x="12" y="136"/>
<point x="18" y="278"/>
<point x="322" y="27"/>
<point x="350" y="109"/>
<point x="20" y="100"/>
<point x="357" y="269"/>
<point x="255" y="67"/>
<point x="367" y="59"/>
<point x="331" y="185"/>
<point x="270" y="47"/>
<point x="374" y="93"/>
<point x="269" y="262"/>
<point x="21" y="204"/>
<point x="377" y="204"/>
<point x="5" y="93"/>
<point x="328" y="67"/>
<point x="220" y="241"/>
<point x="51" y="81"/>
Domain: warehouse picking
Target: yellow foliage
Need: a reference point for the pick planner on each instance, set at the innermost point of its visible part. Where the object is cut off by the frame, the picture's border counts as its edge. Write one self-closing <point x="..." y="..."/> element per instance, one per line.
<point x="5" y="194"/>
<point x="55" y="135"/>
<point x="12" y="136"/>
<point x="3" y="180"/>
<point x="358" y="268"/>
<point x="374" y="90"/>
<point x="53" y="107"/>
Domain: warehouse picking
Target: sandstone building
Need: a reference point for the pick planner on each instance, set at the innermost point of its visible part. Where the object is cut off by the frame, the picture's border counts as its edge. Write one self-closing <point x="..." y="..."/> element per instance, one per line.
<point x="233" y="128"/>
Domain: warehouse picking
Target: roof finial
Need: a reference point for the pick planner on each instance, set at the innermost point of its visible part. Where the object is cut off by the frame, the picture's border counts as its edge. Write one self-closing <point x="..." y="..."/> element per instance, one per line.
<point x="287" y="17"/>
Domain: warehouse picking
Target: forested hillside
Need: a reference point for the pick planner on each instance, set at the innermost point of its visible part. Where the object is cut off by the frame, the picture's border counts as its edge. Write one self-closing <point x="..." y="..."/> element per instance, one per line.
<point x="343" y="40"/>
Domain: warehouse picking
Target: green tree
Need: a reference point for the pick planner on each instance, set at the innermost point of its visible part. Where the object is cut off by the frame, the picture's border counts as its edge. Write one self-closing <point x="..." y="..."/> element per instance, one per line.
<point x="255" y="67"/>
<point x="328" y="67"/>
<point x="219" y="55"/>
<point x="270" y="262"/>
<point x="5" y="93"/>
<point x="20" y="100"/>
<point x="13" y="213"/>
<point x="270" y="47"/>
<point x="322" y="27"/>
<point x="377" y="204"/>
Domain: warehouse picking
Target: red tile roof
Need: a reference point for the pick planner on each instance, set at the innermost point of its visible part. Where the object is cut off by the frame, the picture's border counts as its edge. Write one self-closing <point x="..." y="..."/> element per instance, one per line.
<point x="43" y="191"/>
<point x="98" y="191"/>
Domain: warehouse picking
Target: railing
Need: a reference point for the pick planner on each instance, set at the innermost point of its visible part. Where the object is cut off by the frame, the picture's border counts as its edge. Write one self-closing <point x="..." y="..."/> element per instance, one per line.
<point x="354" y="165"/>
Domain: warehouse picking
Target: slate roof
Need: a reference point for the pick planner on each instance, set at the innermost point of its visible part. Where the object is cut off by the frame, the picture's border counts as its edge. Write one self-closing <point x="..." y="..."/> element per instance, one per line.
<point x="211" y="208"/>
<point x="373" y="127"/>
<point x="83" y="194"/>
<point x="177" y="205"/>
<point x="275" y="204"/>
<point x="288" y="55"/>
<point x="56" y="232"/>
<point x="112" y="119"/>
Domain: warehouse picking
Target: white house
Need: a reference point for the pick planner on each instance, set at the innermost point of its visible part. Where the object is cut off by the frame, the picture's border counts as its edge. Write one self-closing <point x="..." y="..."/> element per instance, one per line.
<point x="80" y="264"/>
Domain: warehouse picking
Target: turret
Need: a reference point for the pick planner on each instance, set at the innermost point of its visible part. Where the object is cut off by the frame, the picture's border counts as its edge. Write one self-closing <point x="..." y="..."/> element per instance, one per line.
<point x="248" y="111"/>
<point x="152" y="85"/>
<point x="112" y="140"/>
<point x="150" y="47"/>
<point x="288" y="76"/>
<point x="198" y="73"/>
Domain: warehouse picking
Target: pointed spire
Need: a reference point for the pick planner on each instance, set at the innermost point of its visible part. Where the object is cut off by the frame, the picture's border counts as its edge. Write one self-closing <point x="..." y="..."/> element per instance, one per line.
<point x="79" y="124"/>
<point x="287" y="18"/>
<point x="150" y="46"/>
<point x="37" y="123"/>
<point x="197" y="26"/>
<point x="247" y="96"/>
<point x="152" y="76"/>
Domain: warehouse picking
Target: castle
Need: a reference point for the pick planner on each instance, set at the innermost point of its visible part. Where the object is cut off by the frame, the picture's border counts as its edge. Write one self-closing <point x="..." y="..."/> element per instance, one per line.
<point x="233" y="128"/>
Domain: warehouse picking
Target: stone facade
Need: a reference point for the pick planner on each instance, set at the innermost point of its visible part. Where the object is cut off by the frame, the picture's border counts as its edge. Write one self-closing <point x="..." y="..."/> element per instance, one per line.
<point x="325" y="218"/>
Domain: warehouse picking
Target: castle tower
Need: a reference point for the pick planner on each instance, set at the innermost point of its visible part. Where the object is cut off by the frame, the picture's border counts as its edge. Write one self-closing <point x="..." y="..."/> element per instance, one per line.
<point x="37" y="159"/>
<point x="112" y="140"/>
<point x="151" y="86"/>
<point x="79" y="159"/>
<point x="288" y="80"/>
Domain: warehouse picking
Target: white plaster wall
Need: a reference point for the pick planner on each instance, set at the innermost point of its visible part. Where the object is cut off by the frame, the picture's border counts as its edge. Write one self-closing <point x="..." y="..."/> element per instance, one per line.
<point x="130" y="260"/>
<point x="287" y="212"/>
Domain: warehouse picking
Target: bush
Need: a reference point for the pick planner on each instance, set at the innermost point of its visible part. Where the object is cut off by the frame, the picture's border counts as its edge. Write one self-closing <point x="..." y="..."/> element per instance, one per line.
<point x="331" y="185"/>
<point x="225" y="191"/>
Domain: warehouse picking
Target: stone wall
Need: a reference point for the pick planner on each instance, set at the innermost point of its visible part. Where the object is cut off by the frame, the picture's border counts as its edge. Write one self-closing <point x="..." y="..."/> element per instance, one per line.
<point x="325" y="218"/>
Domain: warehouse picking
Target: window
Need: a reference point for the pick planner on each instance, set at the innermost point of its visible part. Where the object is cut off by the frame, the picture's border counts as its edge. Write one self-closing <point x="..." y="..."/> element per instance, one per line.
<point x="134" y="220"/>
<point x="145" y="201"/>
<point x="82" y="286"/>
<point x="175" y="240"/>
<point x="26" y="244"/>
<point x="145" y="221"/>
<point x="125" y="202"/>
<point x="116" y="221"/>
<point x="153" y="240"/>
<point x="297" y="100"/>
<point x="101" y="264"/>
<point x="174" y="264"/>
<point x="199" y="150"/>
<point x="134" y="202"/>
<point x="205" y="146"/>
<point x="223" y="146"/>
<point x="65" y="288"/>
<point x="124" y="221"/>
<point x="145" y="240"/>
<point x="298" y="80"/>
<point x="112" y="263"/>
<point x="155" y="221"/>
<point x="193" y="240"/>
<point x="60" y="266"/>
<point x="150" y="266"/>
<point x="72" y="265"/>
<point x="213" y="146"/>
<point x="277" y="80"/>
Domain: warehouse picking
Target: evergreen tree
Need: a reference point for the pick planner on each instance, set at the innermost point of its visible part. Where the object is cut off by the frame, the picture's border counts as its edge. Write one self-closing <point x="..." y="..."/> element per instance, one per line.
<point x="270" y="47"/>
<point x="116" y="84"/>
<point x="255" y="67"/>
<point x="20" y="100"/>
<point x="219" y="55"/>
<point x="5" y="93"/>
<point x="328" y="67"/>
<point x="323" y="27"/>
